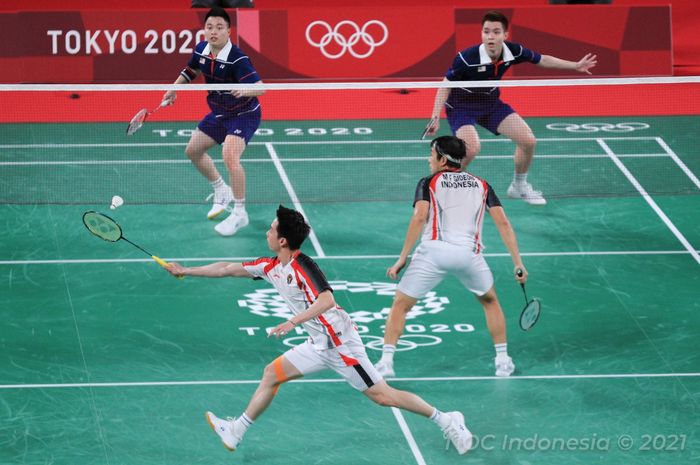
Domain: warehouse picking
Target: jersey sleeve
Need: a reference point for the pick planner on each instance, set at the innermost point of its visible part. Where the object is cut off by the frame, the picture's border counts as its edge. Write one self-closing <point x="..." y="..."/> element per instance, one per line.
<point x="458" y="69"/>
<point x="492" y="199"/>
<point x="189" y="72"/>
<point x="526" y="55"/>
<point x="259" y="268"/>
<point x="422" y="190"/>
<point x="312" y="274"/>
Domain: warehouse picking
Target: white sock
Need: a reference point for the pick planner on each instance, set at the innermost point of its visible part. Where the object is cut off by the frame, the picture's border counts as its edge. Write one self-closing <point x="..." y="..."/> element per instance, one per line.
<point x="218" y="184"/>
<point x="440" y="419"/>
<point x="501" y="349"/>
<point x="239" y="206"/>
<point x="243" y="423"/>
<point x="520" y="179"/>
<point x="388" y="353"/>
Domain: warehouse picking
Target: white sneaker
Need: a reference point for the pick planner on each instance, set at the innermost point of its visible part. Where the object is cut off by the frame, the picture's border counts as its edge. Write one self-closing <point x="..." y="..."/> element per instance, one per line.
<point x="504" y="366"/>
<point x="527" y="193"/>
<point x="457" y="433"/>
<point x="222" y="198"/>
<point x="385" y="369"/>
<point x="226" y="429"/>
<point x="232" y="224"/>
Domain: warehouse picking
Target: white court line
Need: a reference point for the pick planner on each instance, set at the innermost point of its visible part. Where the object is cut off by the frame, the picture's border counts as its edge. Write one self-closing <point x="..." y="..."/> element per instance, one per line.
<point x="303" y="142"/>
<point x="409" y="437"/>
<point x="630" y="177"/>
<point x="430" y="379"/>
<point x="293" y="196"/>
<point x="678" y="161"/>
<point x="337" y="257"/>
<point x="180" y="161"/>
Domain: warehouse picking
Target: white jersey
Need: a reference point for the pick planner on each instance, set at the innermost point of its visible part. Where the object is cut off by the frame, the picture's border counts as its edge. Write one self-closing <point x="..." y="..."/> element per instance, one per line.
<point x="458" y="201"/>
<point x="299" y="283"/>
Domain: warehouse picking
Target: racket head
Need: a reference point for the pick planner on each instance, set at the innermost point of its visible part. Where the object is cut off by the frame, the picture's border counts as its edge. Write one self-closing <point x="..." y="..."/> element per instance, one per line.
<point x="102" y="226"/>
<point x="137" y="121"/>
<point x="530" y="314"/>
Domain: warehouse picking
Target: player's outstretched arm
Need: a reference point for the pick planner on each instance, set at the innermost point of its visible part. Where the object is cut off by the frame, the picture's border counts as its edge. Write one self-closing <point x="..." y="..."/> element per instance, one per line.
<point x="213" y="270"/>
<point x="415" y="227"/>
<point x="584" y="65"/>
<point x="508" y="236"/>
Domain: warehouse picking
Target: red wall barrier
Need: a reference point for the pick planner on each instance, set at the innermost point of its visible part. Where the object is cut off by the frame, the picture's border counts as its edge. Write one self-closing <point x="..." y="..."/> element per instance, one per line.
<point x="324" y="43"/>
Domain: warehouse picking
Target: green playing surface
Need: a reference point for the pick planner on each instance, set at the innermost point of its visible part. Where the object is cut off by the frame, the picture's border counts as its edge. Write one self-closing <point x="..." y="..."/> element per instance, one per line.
<point x="106" y="359"/>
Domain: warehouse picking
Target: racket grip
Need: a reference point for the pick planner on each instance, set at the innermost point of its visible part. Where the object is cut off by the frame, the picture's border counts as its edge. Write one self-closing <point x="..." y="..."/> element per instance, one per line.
<point x="163" y="263"/>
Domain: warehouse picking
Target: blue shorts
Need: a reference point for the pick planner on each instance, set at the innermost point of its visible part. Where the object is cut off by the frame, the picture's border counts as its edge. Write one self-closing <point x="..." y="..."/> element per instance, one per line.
<point x="488" y="114"/>
<point x="219" y="126"/>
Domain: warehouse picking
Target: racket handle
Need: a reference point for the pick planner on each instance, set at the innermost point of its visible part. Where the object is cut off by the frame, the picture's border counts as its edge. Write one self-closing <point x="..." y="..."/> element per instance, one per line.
<point x="163" y="263"/>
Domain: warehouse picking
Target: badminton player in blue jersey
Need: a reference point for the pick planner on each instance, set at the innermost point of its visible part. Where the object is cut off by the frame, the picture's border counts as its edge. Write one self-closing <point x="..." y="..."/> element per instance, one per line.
<point x="234" y="117"/>
<point x="466" y="107"/>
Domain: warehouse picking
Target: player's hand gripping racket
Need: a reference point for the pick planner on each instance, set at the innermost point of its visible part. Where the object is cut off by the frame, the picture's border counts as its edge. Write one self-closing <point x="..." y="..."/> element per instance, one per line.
<point x="140" y="117"/>
<point x="107" y="229"/>
<point x="433" y="121"/>
<point x="531" y="313"/>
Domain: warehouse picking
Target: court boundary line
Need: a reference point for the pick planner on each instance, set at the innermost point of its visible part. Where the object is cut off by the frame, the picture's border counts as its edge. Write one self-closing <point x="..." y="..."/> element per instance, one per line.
<point x="339" y="257"/>
<point x="305" y="142"/>
<point x="408" y="435"/>
<point x="293" y="196"/>
<point x="341" y="380"/>
<point x="678" y="161"/>
<point x="654" y="206"/>
<point x="180" y="161"/>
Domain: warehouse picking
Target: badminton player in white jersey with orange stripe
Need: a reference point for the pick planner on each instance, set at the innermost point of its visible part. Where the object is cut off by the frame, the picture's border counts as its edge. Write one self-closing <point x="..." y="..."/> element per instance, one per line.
<point x="333" y="342"/>
<point x="448" y="213"/>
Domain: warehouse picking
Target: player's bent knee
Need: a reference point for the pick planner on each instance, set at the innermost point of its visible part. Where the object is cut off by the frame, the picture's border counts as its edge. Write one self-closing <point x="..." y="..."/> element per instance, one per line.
<point x="402" y="302"/>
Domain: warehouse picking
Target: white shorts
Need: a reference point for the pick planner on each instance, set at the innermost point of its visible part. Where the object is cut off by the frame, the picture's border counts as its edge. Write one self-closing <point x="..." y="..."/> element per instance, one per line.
<point x="432" y="260"/>
<point x="362" y="375"/>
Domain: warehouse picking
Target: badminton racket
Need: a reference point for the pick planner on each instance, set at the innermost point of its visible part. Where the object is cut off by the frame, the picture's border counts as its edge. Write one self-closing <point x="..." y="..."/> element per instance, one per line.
<point x="531" y="312"/>
<point x="430" y="125"/>
<point x="140" y="117"/>
<point x="107" y="229"/>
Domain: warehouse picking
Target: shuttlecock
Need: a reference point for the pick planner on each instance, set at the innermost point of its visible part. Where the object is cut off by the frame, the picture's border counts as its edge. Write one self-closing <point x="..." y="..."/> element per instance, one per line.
<point x="116" y="202"/>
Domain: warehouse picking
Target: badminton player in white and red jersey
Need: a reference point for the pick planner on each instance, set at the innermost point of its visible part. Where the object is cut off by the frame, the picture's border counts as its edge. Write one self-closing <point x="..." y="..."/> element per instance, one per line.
<point x="448" y="212"/>
<point x="333" y="342"/>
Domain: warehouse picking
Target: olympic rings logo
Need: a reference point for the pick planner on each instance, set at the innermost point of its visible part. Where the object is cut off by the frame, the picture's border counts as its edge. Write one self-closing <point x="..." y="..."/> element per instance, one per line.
<point x="346" y="44"/>
<point x="405" y="343"/>
<point x="597" y="127"/>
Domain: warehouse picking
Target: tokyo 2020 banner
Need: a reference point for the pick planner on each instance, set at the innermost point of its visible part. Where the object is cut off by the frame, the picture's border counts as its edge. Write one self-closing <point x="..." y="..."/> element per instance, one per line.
<point x="324" y="43"/>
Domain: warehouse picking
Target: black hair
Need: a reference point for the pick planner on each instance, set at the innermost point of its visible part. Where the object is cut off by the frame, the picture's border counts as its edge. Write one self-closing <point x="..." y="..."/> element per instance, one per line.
<point x="495" y="17"/>
<point x="292" y="226"/>
<point x="218" y="12"/>
<point x="452" y="148"/>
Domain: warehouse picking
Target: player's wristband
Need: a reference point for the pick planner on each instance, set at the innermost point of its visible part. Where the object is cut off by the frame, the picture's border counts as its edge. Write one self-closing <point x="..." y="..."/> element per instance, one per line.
<point x="290" y="321"/>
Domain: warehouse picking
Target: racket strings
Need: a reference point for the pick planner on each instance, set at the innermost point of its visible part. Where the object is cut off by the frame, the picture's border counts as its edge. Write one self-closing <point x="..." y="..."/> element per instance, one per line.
<point x="102" y="226"/>
<point x="137" y="121"/>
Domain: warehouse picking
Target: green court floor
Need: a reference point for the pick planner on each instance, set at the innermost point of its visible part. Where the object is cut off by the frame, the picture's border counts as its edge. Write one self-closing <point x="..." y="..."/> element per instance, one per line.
<point x="106" y="359"/>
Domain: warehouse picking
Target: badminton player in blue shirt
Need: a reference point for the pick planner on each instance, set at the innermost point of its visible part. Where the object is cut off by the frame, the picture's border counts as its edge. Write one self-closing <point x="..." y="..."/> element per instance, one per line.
<point x="466" y="107"/>
<point x="235" y="116"/>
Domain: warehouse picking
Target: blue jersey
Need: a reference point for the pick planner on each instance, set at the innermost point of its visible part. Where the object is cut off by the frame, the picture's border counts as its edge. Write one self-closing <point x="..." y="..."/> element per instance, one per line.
<point x="474" y="64"/>
<point x="230" y="66"/>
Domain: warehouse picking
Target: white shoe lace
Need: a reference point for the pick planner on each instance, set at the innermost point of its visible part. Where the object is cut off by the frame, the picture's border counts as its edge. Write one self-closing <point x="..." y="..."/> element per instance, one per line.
<point x="451" y="434"/>
<point x="528" y="192"/>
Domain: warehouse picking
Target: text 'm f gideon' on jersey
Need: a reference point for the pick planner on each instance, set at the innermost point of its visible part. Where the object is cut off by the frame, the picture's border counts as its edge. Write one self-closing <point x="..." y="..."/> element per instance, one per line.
<point x="458" y="180"/>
